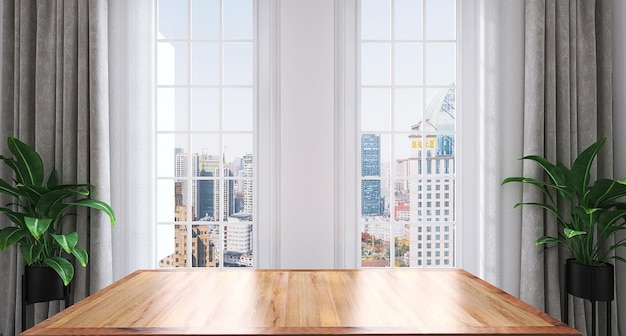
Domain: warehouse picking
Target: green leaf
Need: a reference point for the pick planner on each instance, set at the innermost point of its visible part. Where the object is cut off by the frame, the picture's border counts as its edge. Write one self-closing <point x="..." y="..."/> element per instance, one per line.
<point x="31" y="252"/>
<point x="8" y="189"/>
<point x="590" y="211"/>
<point x="581" y="168"/>
<point x="569" y="233"/>
<point x="11" y="163"/>
<point x="605" y="191"/>
<point x="81" y="255"/>
<point x="554" y="171"/>
<point x="548" y="207"/>
<point x="37" y="226"/>
<point x="15" y="217"/>
<point x="48" y="201"/>
<point x="29" y="164"/>
<point x="67" y="241"/>
<point x="53" y="179"/>
<point x="98" y="205"/>
<point x="63" y="267"/>
<point x="11" y="235"/>
<point x="546" y="240"/>
<point x="609" y="218"/>
<point x="83" y="187"/>
<point x="618" y="258"/>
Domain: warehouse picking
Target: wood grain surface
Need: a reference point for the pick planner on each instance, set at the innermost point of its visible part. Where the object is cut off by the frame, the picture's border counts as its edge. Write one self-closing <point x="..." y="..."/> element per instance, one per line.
<point x="301" y="302"/>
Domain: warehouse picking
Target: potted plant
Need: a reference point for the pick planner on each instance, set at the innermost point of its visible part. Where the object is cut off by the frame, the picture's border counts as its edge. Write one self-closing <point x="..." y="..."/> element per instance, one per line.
<point x="38" y="212"/>
<point x="589" y="214"/>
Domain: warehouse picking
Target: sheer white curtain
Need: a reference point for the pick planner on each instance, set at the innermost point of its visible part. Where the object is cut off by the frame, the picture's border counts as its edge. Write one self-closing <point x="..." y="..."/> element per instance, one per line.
<point x="131" y="76"/>
<point x="500" y="81"/>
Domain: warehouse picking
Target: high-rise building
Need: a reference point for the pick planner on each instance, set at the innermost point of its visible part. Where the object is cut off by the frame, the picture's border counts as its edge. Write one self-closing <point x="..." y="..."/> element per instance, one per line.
<point x="431" y="169"/>
<point x="207" y="189"/>
<point x="238" y="245"/>
<point x="371" y="201"/>
<point x="186" y="166"/>
<point x="248" y="190"/>
<point x="202" y="248"/>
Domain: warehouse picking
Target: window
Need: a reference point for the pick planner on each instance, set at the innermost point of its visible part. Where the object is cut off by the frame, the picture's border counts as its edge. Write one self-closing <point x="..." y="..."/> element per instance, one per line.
<point x="205" y="131"/>
<point x="407" y="112"/>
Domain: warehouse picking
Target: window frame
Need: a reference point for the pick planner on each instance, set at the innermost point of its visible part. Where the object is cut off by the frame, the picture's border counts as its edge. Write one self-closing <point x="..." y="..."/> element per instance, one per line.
<point x="468" y="126"/>
<point x="189" y="133"/>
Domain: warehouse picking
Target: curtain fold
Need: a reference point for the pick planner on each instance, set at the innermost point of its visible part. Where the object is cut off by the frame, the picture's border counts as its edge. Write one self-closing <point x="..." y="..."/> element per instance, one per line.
<point x="567" y="107"/>
<point x="55" y="98"/>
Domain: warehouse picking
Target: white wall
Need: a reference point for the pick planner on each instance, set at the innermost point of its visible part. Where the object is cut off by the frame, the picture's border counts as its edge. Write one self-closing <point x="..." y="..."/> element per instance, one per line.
<point x="619" y="123"/>
<point x="306" y="113"/>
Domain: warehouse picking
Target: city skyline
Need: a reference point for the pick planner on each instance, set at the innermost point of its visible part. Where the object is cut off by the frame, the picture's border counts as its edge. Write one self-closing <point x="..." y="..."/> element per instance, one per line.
<point x="416" y="193"/>
<point x="209" y="189"/>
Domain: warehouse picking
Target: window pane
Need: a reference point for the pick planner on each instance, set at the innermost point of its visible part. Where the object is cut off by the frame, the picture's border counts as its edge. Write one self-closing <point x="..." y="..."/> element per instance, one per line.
<point x="375" y="155"/>
<point x="172" y="63"/>
<point x="375" y="185"/>
<point x="207" y="202"/>
<point x="166" y="200"/>
<point x="408" y="64"/>
<point x="442" y="108"/>
<point x="402" y="147"/>
<point x="440" y="20"/>
<point x="205" y="63"/>
<point x="173" y="19"/>
<point x="440" y="64"/>
<point x="238" y="19"/>
<point x="375" y="246"/>
<point x="375" y="109"/>
<point x="172" y="109"/>
<point x="375" y="64"/>
<point x="375" y="19"/>
<point x="205" y="149"/>
<point x="169" y="251"/>
<point x="205" y="19"/>
<point x="237" y="107"/>
<point x="401" y="244"/>
<point x="408" y="19"/>
<point x="239" y="160"/>
<point x="205" y="245"/>
<point x="237" y="147"/>
<point x="371" y="198"/>
<point x="370" y="155"/>
<point x="408" y="109"/>
<point x="241" y="209"/>
<point x="238" y="63"/>
<point x="238" y="245"/>
<point x="205" y="109"/>
<point x="168" y="147"/>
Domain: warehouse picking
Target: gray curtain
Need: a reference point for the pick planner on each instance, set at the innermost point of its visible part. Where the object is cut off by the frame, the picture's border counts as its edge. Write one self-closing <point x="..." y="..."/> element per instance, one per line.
<point x="55" y="98"/>
<point x="567" y="107"/>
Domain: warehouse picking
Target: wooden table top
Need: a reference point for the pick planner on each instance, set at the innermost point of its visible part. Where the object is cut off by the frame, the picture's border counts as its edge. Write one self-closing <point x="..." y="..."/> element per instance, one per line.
<point x="299" y="302"/>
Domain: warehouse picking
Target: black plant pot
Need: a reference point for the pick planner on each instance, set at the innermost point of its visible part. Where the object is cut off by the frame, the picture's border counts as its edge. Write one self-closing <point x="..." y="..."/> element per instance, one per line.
<point x="43" y="284"/>
<point x="589" y="282"/>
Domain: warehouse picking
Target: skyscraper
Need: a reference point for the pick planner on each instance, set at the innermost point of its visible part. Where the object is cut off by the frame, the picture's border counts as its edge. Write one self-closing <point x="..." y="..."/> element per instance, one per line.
<point x="371" y="201"/>
<point x="203" y="252"/>
<point x="248" y="190"/>
<point x="431" y="169"/>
